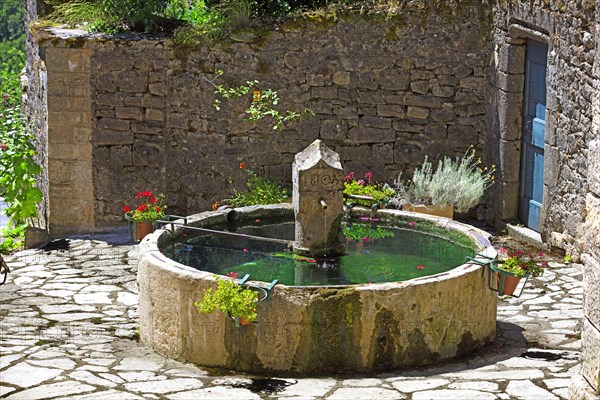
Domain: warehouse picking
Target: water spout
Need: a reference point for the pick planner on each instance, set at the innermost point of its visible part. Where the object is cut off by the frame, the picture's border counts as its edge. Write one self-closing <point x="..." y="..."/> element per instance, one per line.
<point x="323" y="204"/>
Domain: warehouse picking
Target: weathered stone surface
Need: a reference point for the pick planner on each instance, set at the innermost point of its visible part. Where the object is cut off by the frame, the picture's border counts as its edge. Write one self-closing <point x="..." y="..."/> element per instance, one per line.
<point x="26" y="375"/>
<point x="590" y="338"/>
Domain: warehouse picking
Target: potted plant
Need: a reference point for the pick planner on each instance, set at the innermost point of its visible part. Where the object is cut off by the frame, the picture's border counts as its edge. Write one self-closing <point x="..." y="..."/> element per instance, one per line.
<point x="236" y="301"/>
<point x="454" y="185"/>
<point x="511" y="268"/>
<point x="365" y="191"/>
<point x="146" y="213"/>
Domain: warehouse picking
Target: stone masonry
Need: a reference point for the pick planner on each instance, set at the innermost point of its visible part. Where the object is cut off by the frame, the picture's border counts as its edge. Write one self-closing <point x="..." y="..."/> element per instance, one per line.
<point x="136" y="113"/>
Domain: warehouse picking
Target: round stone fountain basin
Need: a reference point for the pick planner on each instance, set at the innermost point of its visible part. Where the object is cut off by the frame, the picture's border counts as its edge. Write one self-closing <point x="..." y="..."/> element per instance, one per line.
<point x="313" y="330"/>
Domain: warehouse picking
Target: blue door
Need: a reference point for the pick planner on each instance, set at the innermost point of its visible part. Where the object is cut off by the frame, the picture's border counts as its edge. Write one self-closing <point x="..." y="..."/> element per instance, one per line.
<point x="532" y="146"/>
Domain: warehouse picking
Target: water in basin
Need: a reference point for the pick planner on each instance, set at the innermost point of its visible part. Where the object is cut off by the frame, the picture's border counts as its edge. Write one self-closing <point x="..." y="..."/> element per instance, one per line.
<point x="374" y="253"/>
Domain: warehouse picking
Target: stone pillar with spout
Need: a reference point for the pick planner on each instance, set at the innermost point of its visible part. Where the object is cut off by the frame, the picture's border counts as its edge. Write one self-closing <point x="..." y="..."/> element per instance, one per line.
<point x="318" y="197"/>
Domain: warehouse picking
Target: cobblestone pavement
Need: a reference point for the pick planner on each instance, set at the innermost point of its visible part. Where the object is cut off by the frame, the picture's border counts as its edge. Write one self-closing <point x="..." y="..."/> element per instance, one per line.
<point x="68" y="324"/>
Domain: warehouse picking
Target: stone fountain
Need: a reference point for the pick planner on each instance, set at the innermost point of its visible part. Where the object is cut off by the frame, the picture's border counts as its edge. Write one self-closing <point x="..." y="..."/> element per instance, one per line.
<point x="315" y="329"/>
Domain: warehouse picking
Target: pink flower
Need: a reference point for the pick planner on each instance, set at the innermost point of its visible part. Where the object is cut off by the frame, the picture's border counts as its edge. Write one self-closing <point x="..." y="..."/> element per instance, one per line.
<point x="420" y="267"/>
<point x="361" y="182"/>
<point x="3" y="146"/>
<point x="519" y="253"/>
<point x="541" y="254"/>
<point x="257" y="220"/>
<point x="245" y="250"/>
<point x="375" y="219"/>
<point x="502" y="250"/>
<point x="411" y="224"/>
<point x="364" y="218"/>
<point x="365" y="239"/>
<point x="5" y="95"/>
<point x="368" y="176"/>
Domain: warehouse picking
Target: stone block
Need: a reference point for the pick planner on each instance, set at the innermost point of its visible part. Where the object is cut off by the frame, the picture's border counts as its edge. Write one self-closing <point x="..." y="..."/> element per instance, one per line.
<point x="59" y="172"/>
<point x="154" y="114"/>
<point x="132" y="81"/>
<point x="68" y="59"/>
<point x="145" y="154"/>
<point x="509" y="200"/>
<point x="420" y="87"/>
<point x="365" y="97"/>
<point x="333" y="129"/>
<point x="324" y="92"/>
<point x="591" y="287"/>
<point x="443" y="91"/>
<point x="509" y="115"/>
<point x="113" y="124"/>
<point x="361" y="134"/>
<point x="590" y="354"/>
<point x="510" y="161"/>
<point x="428" y="101"/>
<point x="68" y="151"/>
<point x="444" y="114"/>
<point x="510" y="82"/>
<point x="341" y="78"/>
<point x="367" y="80"/>
<point x="393" y="79"/>
<point x="417" y="112"/>
<point x="474" y="83"/>
<point x="594" y="166"/>
<point x="147" y="128"/>
<point x="375" y="122"/>
<point x="68" y="118"/>
<point x="421" y="75"/>
<point x="134" y="113"/>
<point x="104" y="137"/>
<point x="121" y="155"/>
<point x="390" y="110"/>
<point x="408" y="152"/>
<point x="511" y="58"/>
<point x="383" y="153"/>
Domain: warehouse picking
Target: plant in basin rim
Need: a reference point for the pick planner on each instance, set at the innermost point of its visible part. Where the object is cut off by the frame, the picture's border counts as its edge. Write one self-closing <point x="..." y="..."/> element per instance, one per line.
<point x="261" y="191"/>
<point x="460" y="183"/>
<point x="368" y="188"/>
<point x="519" y="264"/>
<point x="230" y="298"/>
<point x="149" y="210"/>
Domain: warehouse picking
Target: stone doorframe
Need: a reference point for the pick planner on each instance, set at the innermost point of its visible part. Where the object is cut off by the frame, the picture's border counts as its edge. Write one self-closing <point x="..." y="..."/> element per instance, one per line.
<point x="510" y="79"/>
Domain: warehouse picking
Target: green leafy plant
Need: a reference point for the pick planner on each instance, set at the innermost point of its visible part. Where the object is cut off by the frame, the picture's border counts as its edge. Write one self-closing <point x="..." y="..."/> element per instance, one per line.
<point x="150" y="209"/>
<point x="461" y="182"/>
<point x="18" y="169"/>
<point x="229" y="298"/>
<point x="262" y="105"/>
<point x="361" y="231"/>
<point x="261" y="191"/>
<point x="368" y="188"/>
<point x="519" y="264"/>
<point x="568" y="259"/>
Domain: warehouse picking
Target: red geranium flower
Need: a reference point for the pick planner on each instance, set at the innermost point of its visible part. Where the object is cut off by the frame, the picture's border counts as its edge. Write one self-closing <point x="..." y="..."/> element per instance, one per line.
<point x="242" y="165"/>
<point x="126" y="209"/>
<point x="143" y="207"/>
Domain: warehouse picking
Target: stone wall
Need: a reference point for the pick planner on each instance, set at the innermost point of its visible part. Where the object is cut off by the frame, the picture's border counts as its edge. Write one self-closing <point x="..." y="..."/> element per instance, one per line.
<point x="570" y="217"/>
<point x="385" y="94"/>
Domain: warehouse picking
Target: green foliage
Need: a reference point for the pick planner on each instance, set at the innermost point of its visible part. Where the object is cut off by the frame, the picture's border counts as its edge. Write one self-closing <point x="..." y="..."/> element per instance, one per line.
<point x="149" y="210"/>
<point x="229" y="298"/>
<point x="368" y="188"/>
<point x="262" y="105"/>
<point x="360" y="231"/>
<point x="568" y="259"/>
<point x="12" y="33"/>
<point x="18" y="169"/>
<point x="260" y="191"/>
<point x="519" y="264"/>
<point x="461" y="183"/>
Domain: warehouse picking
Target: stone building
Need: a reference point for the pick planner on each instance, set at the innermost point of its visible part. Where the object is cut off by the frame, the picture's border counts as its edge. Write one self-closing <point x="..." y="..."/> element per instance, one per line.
<point x="517" y="79"/>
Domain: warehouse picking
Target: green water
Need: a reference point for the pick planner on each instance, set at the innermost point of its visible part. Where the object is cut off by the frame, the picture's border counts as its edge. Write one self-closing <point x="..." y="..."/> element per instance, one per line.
<point x="383" y="254"/>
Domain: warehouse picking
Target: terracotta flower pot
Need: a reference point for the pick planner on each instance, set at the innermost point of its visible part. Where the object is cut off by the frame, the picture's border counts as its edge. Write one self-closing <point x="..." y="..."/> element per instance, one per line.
<point x="510" y="284"/>
<point x="446" y="211"/>
<point x="142" y="229"/>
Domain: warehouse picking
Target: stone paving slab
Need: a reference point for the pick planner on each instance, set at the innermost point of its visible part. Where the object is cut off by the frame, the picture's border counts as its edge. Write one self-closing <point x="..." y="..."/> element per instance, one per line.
<point x="68" y="330"/>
